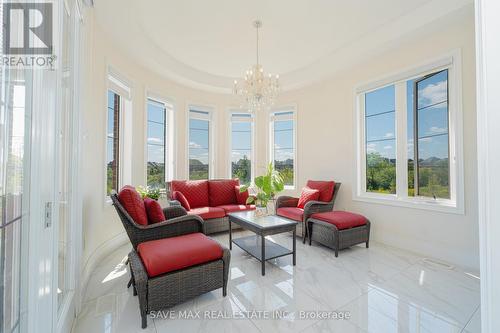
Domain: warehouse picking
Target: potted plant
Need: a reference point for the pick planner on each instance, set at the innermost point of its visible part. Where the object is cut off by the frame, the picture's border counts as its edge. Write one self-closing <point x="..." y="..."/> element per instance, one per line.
<point x="266" y="188"/>
<point x="149" y="192"/>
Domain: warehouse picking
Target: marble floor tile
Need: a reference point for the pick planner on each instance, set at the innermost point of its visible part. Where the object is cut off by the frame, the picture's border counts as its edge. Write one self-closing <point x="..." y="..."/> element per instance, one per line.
<point x="474" y="324"/>
<point x="384" y="289"/>
<point x="377" y="311"/>
<point x="450" y="294"/>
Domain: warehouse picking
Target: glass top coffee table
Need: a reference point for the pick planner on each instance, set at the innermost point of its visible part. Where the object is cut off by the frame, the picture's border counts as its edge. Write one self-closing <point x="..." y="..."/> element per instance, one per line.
<point x="257" y="245"/>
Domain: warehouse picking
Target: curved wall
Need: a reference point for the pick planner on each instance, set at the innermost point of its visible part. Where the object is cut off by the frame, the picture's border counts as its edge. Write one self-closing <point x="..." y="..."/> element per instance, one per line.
<point x="325" y="116"/>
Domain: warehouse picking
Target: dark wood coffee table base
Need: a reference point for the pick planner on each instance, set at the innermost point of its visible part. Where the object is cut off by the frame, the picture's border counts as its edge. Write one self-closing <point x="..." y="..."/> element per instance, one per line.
<point x="258" y="246"/>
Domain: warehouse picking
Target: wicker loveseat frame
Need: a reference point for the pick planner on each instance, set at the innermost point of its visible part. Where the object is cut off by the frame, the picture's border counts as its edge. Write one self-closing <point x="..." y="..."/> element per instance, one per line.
<point x="166" y="290"/>
<point x="213" y="225"/>
<point x="310" y="208"/>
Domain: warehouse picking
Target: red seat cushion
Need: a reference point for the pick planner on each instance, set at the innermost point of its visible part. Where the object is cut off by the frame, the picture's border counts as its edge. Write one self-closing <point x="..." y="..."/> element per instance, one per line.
<point x="176" y="195"/>
<point x="172" y="254"/>
<point x="293" y="213"/>
<point x="221" y="192"/>
<point x="241" y="197"/>
<point x="208" y="212"/>
<point x="236" y="208"/>
<point x="308" y="194"/>
<point x="195" y="191"/>
<point x="154" y="211"/>
<point x="134" y="205"/>
<point x="325" y="189"/>
<point x="341" y="219"/>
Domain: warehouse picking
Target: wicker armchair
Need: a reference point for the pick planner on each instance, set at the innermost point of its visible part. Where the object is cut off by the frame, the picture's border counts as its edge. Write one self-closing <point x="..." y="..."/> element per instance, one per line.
<point x="163" y="291"/>
<point x="177" y="223"/>
<point x="310" y="208"/>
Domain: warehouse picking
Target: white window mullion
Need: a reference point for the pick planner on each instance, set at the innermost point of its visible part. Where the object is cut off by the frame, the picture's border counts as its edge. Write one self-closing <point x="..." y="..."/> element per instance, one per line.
<point x="401" y="141"/>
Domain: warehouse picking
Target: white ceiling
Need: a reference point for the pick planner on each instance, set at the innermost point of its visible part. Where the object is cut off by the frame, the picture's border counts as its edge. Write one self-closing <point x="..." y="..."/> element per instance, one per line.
<point x="206" y="44"/>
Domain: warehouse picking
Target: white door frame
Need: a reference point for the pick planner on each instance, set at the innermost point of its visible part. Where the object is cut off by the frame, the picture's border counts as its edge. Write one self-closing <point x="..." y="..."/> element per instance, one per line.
<point x="488" y="136"/>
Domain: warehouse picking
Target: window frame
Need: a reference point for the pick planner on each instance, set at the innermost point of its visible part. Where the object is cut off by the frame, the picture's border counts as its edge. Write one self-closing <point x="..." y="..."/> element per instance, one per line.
<point x="272" y="118"/>
<point x="211" y="136"/>
<point x="251" y="120"/>
<point x="453" y="63"/>
<point x="169" y="146"/>
<point x="121" y="86"/>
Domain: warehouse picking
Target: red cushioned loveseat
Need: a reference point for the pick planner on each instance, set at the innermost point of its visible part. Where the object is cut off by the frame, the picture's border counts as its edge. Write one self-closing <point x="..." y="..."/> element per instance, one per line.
<point x="212" y="200"/>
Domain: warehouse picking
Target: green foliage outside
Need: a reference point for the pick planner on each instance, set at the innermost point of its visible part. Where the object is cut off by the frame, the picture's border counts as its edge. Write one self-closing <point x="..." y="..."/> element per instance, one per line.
<point x="109" y="178"/>
<point x="267" y="186"/>
<point x="433" y="176"/>
<point x="156" y="175"/>
<point x="242" y="169"/>
<point x="380" y="174"/>
<point x="197" y="170"/>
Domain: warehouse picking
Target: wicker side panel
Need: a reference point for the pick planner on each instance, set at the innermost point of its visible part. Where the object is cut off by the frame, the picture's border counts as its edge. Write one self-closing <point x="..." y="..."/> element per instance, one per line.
<point x="168" y="290"/>
<point x="213" y="226"/>
<point x="323" y="234"/>
<point x="353" y="236"/>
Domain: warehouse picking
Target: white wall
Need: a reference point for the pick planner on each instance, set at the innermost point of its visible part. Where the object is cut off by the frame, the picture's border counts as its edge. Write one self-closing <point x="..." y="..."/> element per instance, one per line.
<point x="101" y="222"/>
<point x="325" y="138"/>
<point x="326" y="147"/>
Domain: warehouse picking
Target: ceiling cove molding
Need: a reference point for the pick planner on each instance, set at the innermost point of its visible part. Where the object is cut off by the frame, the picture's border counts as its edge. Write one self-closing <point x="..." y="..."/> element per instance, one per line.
<point x="357" y="51"/>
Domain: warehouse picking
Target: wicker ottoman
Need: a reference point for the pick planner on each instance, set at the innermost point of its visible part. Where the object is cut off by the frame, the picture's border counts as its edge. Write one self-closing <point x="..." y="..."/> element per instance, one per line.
<point x="161" y="283"/>
<point x="339" y="229"/>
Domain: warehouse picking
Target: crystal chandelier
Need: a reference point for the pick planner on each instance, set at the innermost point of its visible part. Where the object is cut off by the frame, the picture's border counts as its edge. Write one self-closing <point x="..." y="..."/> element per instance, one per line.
<point x="258" y="89"/>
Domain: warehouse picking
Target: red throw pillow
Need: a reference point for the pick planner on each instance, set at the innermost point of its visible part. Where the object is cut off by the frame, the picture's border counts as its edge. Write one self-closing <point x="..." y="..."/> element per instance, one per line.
<point x="176" y="195"/>
<point x="241" y="197"/>
<point x="308" y="194"/>
<point x="154" y="211"/>
<point x="134" y="205"/>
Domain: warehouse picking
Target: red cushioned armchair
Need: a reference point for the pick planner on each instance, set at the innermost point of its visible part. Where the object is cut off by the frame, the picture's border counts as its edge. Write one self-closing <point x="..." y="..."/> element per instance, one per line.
<point x="325" y="191"/>
<point x="172" y="260"/>
<point x="177" y="222"/>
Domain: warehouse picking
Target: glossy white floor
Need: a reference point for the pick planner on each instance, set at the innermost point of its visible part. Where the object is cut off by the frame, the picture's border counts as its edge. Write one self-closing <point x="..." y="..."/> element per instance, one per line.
<point x="383" y="289"/>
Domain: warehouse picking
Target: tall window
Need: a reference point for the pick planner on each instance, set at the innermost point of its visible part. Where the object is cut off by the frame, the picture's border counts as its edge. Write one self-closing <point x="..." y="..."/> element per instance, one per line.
<point x="157" y="142"/>
<point x="380" y="136"/>
<point x="429" y="113"/>
<point x="283" y="145"/>
<point x="199" y="144"/>
<point x="406" y="127"/>
<point x="118" y="133"/>
<point x="241" y="147"/>
<point x="113" y="143"/>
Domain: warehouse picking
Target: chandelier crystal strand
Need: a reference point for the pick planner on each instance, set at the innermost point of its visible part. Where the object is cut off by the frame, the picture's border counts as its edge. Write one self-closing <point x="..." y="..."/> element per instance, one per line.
<point x="258" y="90"/>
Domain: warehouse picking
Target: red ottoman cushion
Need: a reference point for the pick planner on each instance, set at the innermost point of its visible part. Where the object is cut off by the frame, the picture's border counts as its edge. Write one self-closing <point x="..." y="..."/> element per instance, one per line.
<point x="154" y="211"/>
<point x="325" y="189"/>
<point x="307" y="194"/>
<point x="241" y="197"/>
<point x="293" y="213"/>
<point x="341" y="219"/>
<point x="195" y="191"/>
<point x="221" y="192"/>
<point x="207" y="213"/>
<point x="171" y="254"/>
<point x="134" y="205"/>
<point x="176" y="195"/>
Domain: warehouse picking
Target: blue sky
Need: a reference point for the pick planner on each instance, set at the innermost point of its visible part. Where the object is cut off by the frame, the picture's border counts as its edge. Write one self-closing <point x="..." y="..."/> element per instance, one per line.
<point x="433" y="118"/>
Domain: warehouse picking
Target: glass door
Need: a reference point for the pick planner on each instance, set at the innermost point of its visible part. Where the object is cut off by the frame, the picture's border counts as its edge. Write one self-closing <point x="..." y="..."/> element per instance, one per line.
<point x="15" y="128"/>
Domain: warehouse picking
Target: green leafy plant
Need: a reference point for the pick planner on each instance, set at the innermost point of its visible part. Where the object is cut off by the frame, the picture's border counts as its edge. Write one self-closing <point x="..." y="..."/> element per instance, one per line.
<point x="267" y="186"/>
<point x="149" y="192"/>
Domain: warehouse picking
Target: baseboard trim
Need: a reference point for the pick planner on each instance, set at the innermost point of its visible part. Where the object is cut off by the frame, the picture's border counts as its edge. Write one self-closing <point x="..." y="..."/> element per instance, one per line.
<point x="102" y="251"/>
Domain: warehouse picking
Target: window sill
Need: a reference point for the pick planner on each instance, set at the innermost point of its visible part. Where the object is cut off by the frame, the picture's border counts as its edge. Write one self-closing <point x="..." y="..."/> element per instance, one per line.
<point x="443" y="206"/>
